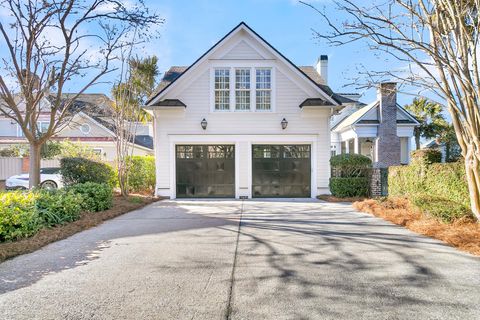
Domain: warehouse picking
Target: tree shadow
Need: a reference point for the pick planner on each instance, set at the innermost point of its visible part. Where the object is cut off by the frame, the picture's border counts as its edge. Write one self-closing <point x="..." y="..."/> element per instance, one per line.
<point x="86" y="246"/>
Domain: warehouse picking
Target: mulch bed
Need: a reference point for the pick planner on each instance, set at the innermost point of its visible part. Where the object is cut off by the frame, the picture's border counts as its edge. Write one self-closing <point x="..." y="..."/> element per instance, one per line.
<point x="87" y="220"/>
<point x="462" y="234"/>
<point x="330" y="198"/>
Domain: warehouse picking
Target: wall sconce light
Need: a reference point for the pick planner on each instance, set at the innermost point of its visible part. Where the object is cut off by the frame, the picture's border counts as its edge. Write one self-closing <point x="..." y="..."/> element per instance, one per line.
<point x="204" y="124"/>
<point x="284" y="124"/>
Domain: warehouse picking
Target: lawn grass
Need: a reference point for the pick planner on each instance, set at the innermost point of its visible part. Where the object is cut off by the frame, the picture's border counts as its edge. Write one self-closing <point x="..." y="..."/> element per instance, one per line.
<point x="463" y="234"/>
<point x="87" y="220"/>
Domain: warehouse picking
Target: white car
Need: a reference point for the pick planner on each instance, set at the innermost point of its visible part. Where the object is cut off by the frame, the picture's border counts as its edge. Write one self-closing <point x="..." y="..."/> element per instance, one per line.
<point x="50" y="178"/>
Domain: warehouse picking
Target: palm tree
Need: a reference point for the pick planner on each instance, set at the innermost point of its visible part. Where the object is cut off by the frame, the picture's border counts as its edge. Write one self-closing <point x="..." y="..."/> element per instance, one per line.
<point x="429" y="115"/>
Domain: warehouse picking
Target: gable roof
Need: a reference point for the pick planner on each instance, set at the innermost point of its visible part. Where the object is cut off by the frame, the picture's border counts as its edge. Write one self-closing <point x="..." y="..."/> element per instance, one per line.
<point x="176" y="73"/>
<point x="357" y="116"/>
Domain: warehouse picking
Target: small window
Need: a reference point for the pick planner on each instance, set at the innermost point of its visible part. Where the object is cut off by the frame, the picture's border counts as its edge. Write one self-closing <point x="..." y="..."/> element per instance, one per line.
<point x="242" y="89"/>
<point x="85" y="128"/>
<point x="263" y="89"/>
<point x="222" y="89"/>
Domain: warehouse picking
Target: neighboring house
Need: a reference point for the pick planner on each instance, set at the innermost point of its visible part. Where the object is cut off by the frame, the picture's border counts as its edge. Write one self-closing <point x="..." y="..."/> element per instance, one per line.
<point x="242" y="121"/>
<point x="381" y="130"/>
<point x="453" y="153"/>
<point x="91" y="126"/>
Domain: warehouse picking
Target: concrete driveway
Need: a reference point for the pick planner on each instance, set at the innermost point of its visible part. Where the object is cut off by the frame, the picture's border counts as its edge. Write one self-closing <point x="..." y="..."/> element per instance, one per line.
<point x="243" y="260"/>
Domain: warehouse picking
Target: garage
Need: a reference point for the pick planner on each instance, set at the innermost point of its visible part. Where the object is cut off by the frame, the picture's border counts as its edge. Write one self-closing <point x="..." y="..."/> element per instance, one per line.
<point x="205" y="171"/>
<point x="281" y="171"/>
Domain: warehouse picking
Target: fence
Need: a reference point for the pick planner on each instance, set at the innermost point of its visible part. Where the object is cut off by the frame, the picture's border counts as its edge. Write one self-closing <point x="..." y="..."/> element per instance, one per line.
<point x="12" y="166"/>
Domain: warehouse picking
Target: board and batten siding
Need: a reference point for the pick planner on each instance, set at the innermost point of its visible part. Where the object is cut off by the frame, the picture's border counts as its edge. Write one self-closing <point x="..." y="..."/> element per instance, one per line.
<point x="242" y="129"/>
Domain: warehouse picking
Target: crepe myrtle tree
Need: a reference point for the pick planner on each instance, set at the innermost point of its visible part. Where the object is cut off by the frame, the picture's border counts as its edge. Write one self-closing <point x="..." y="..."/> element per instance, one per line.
<point x="437" y="41"/>
<point x="53" y="45"/>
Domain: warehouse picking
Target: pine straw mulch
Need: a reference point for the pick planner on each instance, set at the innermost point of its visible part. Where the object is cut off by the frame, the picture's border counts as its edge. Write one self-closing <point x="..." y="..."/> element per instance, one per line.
<point x="330" y="198"/>
<point x="463" y="234"/>
<point x="87" y="220"/>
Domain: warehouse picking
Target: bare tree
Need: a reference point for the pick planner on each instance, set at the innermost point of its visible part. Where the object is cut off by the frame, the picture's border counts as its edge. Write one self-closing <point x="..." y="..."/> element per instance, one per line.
<point x="56" y="43"/>
<point x="438" y="42"/>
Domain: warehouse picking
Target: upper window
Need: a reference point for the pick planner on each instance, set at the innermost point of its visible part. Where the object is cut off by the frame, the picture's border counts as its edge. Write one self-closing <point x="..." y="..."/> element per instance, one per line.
<point x="263" y="89"/>
<point x="242" y="89"/>
<point x="222" y="89"/>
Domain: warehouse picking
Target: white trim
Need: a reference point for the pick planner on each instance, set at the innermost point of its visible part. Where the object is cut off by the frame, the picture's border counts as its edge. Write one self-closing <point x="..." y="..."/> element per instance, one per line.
<point x="265" y="46"/>
<point x="232" y="66"/>
<point x="310" y="139"/>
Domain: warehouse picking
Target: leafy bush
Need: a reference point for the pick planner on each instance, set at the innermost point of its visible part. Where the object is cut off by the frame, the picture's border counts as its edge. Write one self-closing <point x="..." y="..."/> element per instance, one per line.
<point x="350" y="174"/>
<point x="350" y="165"/>
<point x="349" y="187"/>
<point x="58" y="206"/>
<point x="78" y="150"/>
<point x="96" y="196"/>
<point x="426" y="156"/>
<point x="81" y="170"/>
<point x="50" y="150"/>
<point x="141" y="175"/>
<point x="12" y="151"/>
<point x="444" y="209"/>
<point x="444" y="183"/>
<point x="18" y="217"/>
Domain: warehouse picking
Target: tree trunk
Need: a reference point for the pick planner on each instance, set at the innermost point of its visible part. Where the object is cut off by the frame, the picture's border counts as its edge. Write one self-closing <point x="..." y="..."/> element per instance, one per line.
<point x="34" y="170"/>
<point x="473" y="179"/>
<point x="417" y="140"/>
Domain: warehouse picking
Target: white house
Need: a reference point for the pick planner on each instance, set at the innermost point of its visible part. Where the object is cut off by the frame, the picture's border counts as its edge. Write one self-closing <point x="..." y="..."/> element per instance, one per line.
<point x="362" y="129"/>
<point x="242" y="121"/>
<point x="91" y="125"/>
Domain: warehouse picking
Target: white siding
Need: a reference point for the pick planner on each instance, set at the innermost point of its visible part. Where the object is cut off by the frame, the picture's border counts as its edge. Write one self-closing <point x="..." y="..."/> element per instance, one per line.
<point x="7" y="128"/>
<point x="242" y="51"/>
<point x="242" y="129"/>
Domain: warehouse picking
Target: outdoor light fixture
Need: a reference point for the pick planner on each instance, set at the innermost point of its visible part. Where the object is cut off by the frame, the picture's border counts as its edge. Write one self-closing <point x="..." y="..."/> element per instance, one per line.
<point x="204" y="124"/>
<point x="284" y="124"/>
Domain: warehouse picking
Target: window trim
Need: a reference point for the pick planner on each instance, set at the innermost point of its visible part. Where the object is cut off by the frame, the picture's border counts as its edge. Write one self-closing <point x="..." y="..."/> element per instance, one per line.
<point x="213" y="90"/>
<point x="253" y="66"/>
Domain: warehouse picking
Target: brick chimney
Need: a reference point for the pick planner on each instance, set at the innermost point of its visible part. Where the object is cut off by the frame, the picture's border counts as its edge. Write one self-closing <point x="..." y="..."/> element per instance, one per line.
<point x="388" y="143"/>
<point x="322" y="67"/>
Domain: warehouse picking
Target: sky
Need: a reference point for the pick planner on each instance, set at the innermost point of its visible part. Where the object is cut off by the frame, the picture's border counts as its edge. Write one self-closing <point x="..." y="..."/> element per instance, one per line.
<point x="192" y="27"/>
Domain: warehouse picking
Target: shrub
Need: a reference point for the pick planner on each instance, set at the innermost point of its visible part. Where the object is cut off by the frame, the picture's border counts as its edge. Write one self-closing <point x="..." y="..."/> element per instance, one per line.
<point x="444" y="209"/>
<point x="18" y="217"/>
<point x="12" y="151"/>
<point x="141" y="174"/>
<point x="81" y="170"/>
<point x="439" y="189"/>
<point x="350" y="175"/>
<point x="426" y="156"/>
<point x="96" y="196"/>
<point x="58" y="206"/>
<point x="349" y="187"/>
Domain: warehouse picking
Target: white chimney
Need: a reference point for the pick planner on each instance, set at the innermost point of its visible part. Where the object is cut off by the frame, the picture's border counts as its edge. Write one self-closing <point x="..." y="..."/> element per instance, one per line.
<point x="322" y="67"/>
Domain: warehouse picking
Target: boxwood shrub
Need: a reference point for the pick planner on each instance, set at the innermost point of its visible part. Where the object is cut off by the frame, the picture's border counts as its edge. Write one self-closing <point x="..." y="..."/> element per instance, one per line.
<point x="81" y="170"/>
<point x="349" y="187"/>
<point x="96" y="196"/>
<point x="350" y="175"/>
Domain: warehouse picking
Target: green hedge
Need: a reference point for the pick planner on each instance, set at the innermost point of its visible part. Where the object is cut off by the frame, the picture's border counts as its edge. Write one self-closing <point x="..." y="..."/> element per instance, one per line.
<point x="23" y="213"/>
<point x="426" y="156"/>
<point x="443" y="185"/>
<point x="350" y="174"/>
<point x="141" y="174"/>
<point x="349" y="187"/>
<point x="81" y="170"/>
<point x="97" y="196"/>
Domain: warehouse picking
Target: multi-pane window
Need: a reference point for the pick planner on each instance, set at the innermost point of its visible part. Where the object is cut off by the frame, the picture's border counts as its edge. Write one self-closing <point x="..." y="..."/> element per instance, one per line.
<point x="222" y="89"/>
<point x="263" y="89"/>
<point x="242" y="89"/>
